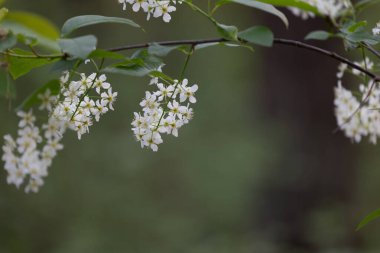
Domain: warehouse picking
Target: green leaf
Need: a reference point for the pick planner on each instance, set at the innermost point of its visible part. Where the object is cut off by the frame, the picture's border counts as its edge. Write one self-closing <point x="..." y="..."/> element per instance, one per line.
<point x="260" y="6"/>
<point x="100" y="53"/>
<point x="64" y="65"/>
<point x="81" y="21"/>
<point x="79" y="47"/>
<point x="7" y="88"/>
<point x="53" y="85"/>
<point x="318" y="35"/>
<point x="19" y="66"/>
<point x="131" y="69"/>
<point x="212" y="44"/>
<point x="206" y="45"/>
<point x="142" y="63"/>
<point x="354" y="34"/>
<point x="260" y="35"/>
<point x="372" y="216"/>
<point x="361" y="5"/>
<point x="363" y="36"/>
<point x="7" y="41"/>
<point x="356" y="26"/>
<point x="228" y="32"/>
<point x="291" y="3"/>
<point x="159" y="50"/>
<point x="160" y="75"/>
<point x="32" y="25"/>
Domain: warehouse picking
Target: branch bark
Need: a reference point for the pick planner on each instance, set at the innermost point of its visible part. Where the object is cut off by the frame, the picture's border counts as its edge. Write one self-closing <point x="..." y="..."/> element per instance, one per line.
<point x="278" y="41"/>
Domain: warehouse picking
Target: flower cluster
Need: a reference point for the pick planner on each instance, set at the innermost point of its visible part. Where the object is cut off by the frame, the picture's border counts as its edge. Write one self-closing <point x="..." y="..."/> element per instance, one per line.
<point x="155" y="8"/>
<point x="358" y="116"/>
<point x="30" y="155"/>
<point x="77" y="108"/>
<point x="329" y="8"/>
<point x="163" y="112"/>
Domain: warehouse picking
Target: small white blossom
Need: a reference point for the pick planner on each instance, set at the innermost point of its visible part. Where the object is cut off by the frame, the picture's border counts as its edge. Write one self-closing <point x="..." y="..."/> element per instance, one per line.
<point x="376" y="30"/>
<point x="47" y="100"/>
<point x="27" y="118"/>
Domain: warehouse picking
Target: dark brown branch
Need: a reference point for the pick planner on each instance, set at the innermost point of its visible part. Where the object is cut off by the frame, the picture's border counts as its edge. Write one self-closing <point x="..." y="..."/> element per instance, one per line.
<point x="276" y="41"/>
<point x="168" y="43"/>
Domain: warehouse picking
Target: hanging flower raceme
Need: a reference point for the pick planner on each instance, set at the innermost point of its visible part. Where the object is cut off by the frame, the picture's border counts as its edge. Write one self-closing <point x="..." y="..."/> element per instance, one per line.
<point x="77" y="108"/>
<point x="164" y="111"/>
<point x="153" y="8"/>
<point x="358" y="117"/>
<point x="30" y="155"/>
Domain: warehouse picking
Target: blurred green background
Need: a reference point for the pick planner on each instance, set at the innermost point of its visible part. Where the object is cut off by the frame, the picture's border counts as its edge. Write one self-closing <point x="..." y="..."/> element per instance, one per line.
<point x="257" y="170"/>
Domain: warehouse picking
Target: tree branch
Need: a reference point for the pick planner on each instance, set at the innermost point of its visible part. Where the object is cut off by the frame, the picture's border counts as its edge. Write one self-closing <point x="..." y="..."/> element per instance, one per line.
<point x="276" y="41"/>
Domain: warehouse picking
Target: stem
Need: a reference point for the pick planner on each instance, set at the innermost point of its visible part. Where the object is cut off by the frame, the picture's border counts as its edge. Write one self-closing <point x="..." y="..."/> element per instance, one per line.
<point x="371" y="49"/>
<point x="176" y="86"/>
<point x="196" y="8"/>
<point x="34" y="56"/>
<point x="365" y="62"/>
<point x="186" y="63"/>
<point x="89" y="89"/>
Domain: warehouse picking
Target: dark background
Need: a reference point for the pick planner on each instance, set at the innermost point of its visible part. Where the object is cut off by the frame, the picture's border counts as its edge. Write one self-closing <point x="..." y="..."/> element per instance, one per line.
<point x="257" y="170"/>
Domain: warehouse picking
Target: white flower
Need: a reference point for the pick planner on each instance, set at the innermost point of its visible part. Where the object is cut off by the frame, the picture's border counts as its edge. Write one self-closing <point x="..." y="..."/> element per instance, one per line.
<point x="187" y="114"/>
<point x="27" y="118"/>
<point x="175" y="109"/>
<point x="64" y="77"/>
<point x="140" y="4"/>
<point x="16" y="177"/>
<point x="164" y="10"/>
<point x="149" y="103"/>
<point x="109" y="97"/>
<point x="101" y="83"/>
<point x="46" y="100"/>
<point x="34" y="185"/>
<point x="99" y="109"/>
<point x="152" y="140"/>
<point x="188" y="93"/>
<point x="164" y="92"/>
<point x="87" y="81"/>
<point x="342" y="68"/>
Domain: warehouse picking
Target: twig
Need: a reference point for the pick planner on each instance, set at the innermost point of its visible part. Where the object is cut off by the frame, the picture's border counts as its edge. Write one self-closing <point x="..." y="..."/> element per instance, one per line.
<point x="276" y="41"/>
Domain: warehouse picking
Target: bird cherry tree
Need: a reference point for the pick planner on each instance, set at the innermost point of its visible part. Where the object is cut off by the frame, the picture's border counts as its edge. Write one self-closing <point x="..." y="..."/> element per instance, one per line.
<point x="74" y="100"/>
